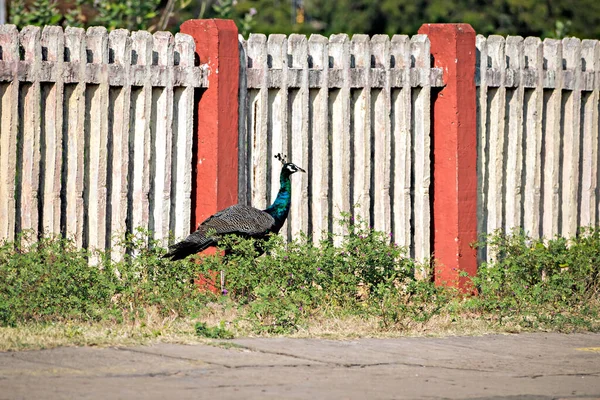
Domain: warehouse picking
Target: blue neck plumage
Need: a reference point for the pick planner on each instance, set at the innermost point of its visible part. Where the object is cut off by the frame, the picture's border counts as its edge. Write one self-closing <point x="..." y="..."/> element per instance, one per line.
<point x="281" y="206"/>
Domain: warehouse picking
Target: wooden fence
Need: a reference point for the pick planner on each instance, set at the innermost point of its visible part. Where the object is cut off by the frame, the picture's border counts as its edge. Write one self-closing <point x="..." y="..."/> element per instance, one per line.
<point x="356" y="114"/>
<point x="434" y="138"/>
<point x="538" y="127"/>
<point x="96" y="132"/>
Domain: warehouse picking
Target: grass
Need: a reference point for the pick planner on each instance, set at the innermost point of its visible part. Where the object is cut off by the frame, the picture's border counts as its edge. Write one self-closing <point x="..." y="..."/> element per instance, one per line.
<point x="51" y="296"/>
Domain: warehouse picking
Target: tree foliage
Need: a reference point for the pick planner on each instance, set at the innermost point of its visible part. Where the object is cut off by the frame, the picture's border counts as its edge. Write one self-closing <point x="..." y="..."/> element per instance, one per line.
<point x="558" y="18"/>
<point x="543" y="18"/>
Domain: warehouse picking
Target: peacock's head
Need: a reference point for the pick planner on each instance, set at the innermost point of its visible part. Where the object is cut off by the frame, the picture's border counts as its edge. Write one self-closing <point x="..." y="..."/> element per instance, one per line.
<point x="288" y="167"/>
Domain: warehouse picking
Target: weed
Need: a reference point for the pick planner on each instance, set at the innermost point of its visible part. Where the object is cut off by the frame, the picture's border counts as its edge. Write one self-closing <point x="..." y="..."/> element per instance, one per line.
<point x="215" y="332"/>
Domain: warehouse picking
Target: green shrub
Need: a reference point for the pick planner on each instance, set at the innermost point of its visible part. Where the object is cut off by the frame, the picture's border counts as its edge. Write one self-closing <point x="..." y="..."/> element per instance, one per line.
<point x="529" y="284"/>
<point x="51" y="280"/>
<point x="365" y="275"/>
<point x="539" y="279"/>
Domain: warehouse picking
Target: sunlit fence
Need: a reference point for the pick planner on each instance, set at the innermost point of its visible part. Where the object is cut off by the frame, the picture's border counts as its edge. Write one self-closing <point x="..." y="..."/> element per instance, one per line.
<point x="433" y="139"/>
<point x="538" y="134"/>
<point x="96" y="132"/>
<point x="356" y="114"/>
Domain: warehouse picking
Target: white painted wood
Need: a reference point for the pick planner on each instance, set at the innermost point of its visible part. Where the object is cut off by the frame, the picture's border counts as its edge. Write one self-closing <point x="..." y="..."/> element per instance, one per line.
<point x="95" y="194"/>
<point x="551" y="209"/>
<point x="482" y="142"/>
<point x="28" y="140"/>
<point x="52" y="40"/>
<point x="339" y="130"/>
<point x="183" y="131"/>
<point x="140" y="140"/>
<point x="258" y="123"/>
<point x="420" y="51"/>
<point x="119" y="44"/>
<point x="496" y="99"/>
<point x="65" y="137"/>
<point x="402" y="144"/>
<point x="521" y="183"/>
<point x="532" y="132"/>
<point x="514" y="135"/>
<point x="362" y="139"/>
<point x="381" y="105"/>
<point x="75" y="42"/>
<point x="161" y="139"/>
<point x="590" y="54"/>
<point x="243" y="158"/>
<point x="571" y="140"/>
<point x="9" y="120"/>
<point x="298" y="143"/>
<point x="354" y="88"/>
<point x="318" y="169"/>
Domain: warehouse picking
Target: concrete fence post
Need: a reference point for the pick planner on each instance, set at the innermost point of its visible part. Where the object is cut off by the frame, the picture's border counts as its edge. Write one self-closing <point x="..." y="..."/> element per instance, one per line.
<point x="454" y="155"/>
<point x="215" y="153"/>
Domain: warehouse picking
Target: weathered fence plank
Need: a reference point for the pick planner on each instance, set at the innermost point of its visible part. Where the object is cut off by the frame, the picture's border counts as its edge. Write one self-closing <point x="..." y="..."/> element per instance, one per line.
<point x="571" y="140"/>
<point x="96" y="138"/>
<point x="421" y="139"/>
<point x="318" y="169"/>
<point x="532" y="132"/>
<point x="119" y="44"/>
<point x="52" y="41"/>
<point x="495" y="126"/>
<point x="481" y="69"/>
<point x="258" y="124"/>
<point x="590" y="54"/>
<point x="381" y="106"/>
<point x="140" y="140"/>
<point x="551" y="210"/>
<point x="243" y="118"/>
<point x="402" y="143"/>
<point x="28" y="141"/>
<point x="299" y="108"/>
<point x="514" y="134"/>
<point x="9" y="117"/>
<point x="339" y="129"/>
<point x="183" y="125"/>
<point x="74" y="143"/>
<point x="161" y="138"/>
<point x="362" y="136"/>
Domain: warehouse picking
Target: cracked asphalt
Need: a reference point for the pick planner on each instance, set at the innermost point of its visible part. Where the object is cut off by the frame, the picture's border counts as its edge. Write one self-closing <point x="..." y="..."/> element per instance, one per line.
<point x="526" y="366"/>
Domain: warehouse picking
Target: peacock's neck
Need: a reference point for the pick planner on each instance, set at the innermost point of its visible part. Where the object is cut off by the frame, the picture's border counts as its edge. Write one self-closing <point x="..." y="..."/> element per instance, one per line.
<point x="281" y="206"/>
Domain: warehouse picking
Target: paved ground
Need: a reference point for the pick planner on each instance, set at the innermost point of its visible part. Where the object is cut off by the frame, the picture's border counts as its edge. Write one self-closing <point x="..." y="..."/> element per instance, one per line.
<point x="532" y="366"/>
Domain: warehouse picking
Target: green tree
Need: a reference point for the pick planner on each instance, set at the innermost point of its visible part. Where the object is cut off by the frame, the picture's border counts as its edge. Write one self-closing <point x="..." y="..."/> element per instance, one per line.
<point x="543" y="18"/>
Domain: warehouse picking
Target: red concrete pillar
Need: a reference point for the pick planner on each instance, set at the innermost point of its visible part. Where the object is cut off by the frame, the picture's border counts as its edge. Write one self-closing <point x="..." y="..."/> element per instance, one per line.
<point x="215" y="160"/>
<point x="454" y="155"/>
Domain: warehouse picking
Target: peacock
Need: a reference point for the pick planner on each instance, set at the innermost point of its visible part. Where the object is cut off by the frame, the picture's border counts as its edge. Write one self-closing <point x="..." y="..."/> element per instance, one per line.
<point x="241" y="219"/>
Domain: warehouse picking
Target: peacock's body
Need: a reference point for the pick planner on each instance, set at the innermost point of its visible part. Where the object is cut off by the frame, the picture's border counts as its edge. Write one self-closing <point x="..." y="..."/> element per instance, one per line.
<point x="240" y="220"/>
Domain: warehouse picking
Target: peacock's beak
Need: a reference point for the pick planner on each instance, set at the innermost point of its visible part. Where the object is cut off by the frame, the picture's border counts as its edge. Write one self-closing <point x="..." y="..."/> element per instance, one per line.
<point x="300" y="169"/>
